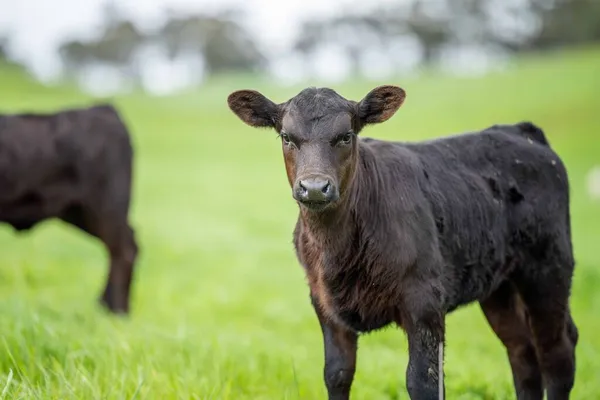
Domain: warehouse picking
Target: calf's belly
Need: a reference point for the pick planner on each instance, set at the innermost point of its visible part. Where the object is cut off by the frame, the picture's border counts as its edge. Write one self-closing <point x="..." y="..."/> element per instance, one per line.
<point x="353" y="320"/>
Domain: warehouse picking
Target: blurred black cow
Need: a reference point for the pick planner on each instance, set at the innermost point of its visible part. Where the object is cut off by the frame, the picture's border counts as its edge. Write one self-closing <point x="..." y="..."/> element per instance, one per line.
<point x="74" y="165"/>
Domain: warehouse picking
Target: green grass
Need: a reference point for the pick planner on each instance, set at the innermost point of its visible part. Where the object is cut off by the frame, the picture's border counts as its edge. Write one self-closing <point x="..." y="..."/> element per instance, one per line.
<point x="220" y="305"/>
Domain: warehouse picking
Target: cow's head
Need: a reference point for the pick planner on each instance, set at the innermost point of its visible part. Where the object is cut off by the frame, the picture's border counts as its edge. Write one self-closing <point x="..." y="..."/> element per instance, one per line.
<point x="318" y="129"/>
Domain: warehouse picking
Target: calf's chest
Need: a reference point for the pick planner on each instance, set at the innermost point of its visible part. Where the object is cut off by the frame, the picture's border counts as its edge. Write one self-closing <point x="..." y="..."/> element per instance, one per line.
<point x="353" y="297"/>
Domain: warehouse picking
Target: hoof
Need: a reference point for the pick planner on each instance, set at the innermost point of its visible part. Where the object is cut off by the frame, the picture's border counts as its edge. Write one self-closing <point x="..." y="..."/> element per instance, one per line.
<point x="112" y="307"/>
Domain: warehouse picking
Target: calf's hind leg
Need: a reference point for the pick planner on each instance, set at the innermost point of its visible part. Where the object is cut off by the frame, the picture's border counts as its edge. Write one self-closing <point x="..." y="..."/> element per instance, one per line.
<point x="505" y="314"/>
<point x="553" y="329"/>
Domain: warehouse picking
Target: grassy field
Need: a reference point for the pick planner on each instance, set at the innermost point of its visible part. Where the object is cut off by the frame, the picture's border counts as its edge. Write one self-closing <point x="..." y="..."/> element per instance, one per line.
<point x="220" y="306"/>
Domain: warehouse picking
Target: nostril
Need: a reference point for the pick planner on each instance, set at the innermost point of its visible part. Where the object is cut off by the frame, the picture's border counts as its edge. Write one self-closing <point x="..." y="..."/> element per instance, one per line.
<point x="302" y="190"/>
<point x="326" y="188"/>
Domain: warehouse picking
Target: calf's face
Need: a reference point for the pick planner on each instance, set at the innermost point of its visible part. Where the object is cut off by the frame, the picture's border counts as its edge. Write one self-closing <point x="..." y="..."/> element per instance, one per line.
<point x="318" y="129"/>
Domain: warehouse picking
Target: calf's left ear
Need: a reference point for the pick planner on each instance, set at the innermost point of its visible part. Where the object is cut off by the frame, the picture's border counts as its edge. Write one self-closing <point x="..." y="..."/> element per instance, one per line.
<point x="380" y="104"/>
<point x="253" y="108"/>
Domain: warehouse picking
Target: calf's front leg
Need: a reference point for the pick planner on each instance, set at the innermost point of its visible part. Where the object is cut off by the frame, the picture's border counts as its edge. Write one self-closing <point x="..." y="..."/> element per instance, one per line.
<point x="425" y="372"/>
<point x="340" y="356"/>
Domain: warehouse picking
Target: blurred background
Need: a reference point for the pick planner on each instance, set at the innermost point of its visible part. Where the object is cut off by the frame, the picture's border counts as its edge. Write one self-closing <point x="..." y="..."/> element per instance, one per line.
<point x="162" y="46"/>
<point x="220" y="306"/>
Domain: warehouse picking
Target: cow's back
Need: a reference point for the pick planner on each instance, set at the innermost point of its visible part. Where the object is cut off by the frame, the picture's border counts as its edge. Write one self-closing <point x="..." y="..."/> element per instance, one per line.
<point x="50" y="161"/>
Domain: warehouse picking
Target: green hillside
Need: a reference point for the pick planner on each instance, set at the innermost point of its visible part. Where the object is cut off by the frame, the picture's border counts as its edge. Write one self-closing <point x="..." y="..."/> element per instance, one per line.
<point x="220" y="305"/>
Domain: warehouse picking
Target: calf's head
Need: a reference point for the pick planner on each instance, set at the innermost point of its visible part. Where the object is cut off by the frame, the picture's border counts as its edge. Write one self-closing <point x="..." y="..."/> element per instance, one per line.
<point x="318" y="129"/>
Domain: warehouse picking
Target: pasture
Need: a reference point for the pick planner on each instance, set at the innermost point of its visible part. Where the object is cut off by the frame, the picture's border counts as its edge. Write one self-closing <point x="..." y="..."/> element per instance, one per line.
<point x="220" y="307"/>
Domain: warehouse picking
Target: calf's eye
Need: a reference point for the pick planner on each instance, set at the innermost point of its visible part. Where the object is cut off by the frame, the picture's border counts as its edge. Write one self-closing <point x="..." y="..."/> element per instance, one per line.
<point x="285" y="138"/>
<point x="347" y="138"/>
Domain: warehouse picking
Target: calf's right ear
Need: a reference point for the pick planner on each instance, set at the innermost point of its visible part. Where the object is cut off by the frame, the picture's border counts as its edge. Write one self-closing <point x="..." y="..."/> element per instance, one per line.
<point x="253" y="108"/>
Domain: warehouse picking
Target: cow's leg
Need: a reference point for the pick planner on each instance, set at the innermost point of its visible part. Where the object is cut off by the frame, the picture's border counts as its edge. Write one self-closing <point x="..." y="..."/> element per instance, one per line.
<point x="340" y="356"/>
<point x="112" y="222"/>
<point x="555" y="334"/>
<point x="118" y="237"/>
<point x="506" y="315"/>
<point x="424" y="322"/>
<point x="123" y="250"/>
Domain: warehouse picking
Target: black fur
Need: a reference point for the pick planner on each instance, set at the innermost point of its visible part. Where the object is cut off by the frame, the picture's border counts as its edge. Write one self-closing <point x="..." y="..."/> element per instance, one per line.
<point x="75" y="165"/>
<point x="421" y="229"/>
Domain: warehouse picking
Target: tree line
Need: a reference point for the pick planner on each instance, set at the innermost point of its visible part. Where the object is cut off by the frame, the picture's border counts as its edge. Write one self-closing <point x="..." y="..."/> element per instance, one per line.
<point x="225" y="45"/>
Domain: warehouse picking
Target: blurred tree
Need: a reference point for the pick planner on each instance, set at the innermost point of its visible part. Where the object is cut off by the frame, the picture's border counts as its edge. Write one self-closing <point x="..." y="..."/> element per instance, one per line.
<point x="354" y="33"/>
<point x="3" y="48"/>
<point x="118" y="43"/>
<point x="438" y="24"/>
<point x="180" y="35"/>
<point x="228" y="47"/>
<point x="75" y="54"/>
<point x="222" y="42"/>
<point x="430" y="23"/>
<point x="566" y="22"/>
<point x="116" y="46"/>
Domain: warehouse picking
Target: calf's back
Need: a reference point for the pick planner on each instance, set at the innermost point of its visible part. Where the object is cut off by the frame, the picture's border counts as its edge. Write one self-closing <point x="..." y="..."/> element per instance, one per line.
<point x="498" y="199"/>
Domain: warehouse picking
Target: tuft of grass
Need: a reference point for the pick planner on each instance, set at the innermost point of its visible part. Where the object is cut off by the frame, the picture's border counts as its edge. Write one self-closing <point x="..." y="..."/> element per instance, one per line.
<point x="220" y="305"/>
